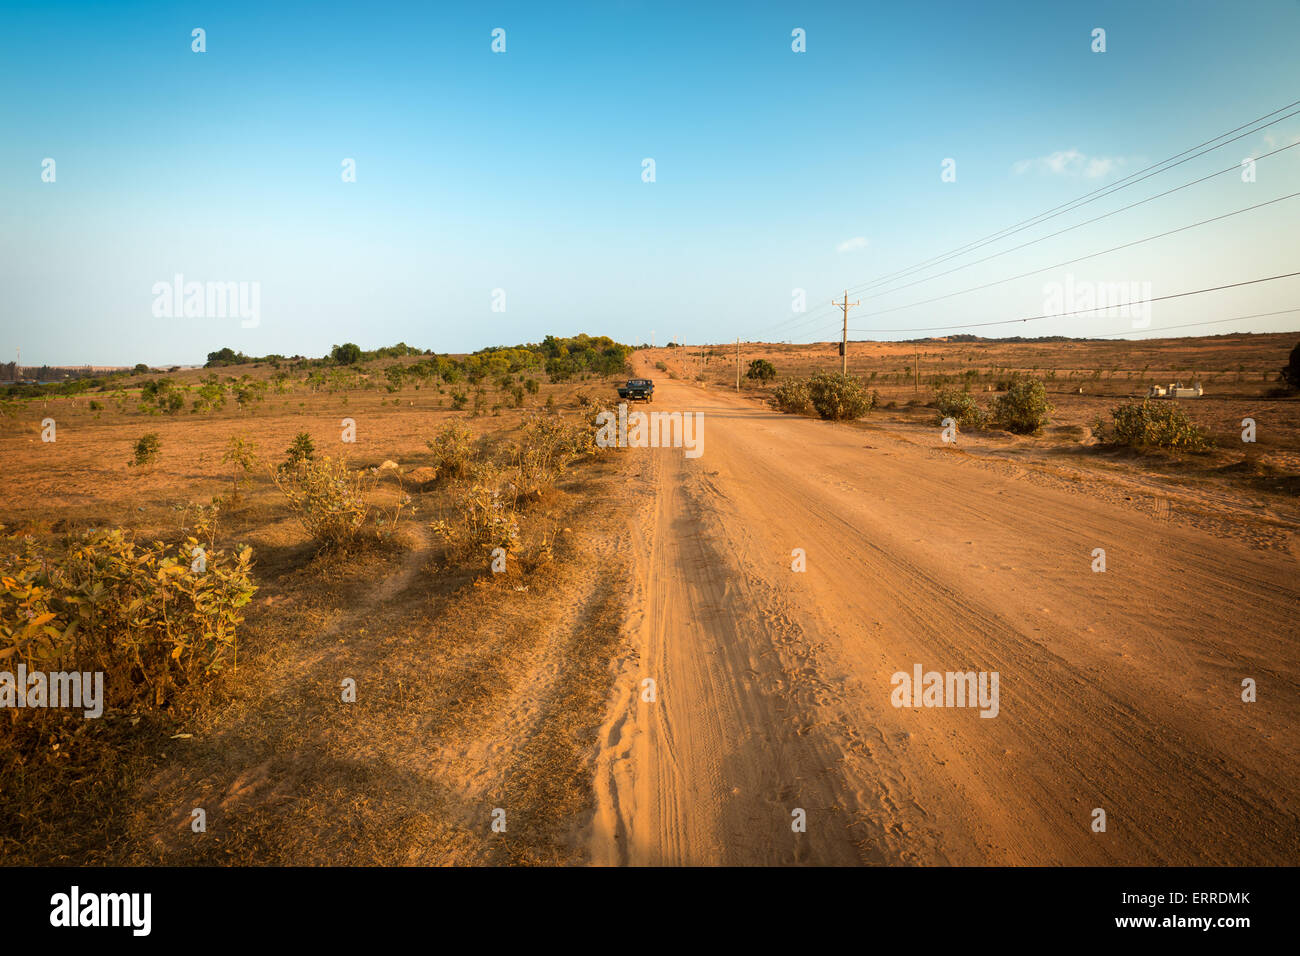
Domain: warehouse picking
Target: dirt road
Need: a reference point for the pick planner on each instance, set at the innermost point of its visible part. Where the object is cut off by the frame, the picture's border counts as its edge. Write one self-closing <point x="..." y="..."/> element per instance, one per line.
<point x="1118" y="690"/>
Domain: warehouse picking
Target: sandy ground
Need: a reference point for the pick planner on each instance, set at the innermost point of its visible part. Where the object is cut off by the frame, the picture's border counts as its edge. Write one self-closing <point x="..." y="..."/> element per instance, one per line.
<point x="1119" y="690"/>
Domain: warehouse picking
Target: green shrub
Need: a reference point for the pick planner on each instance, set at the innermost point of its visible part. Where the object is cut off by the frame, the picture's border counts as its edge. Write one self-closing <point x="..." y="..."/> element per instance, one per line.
<point x="154" y="619"/>
<point x="1156" y="425"/>
<point x="452" y="448"/>
<point x="959" y="405"/>
<point x="761" y="370"/>
<point x="792" y="397"/>
<point x="301" y="450"/>
<point x="349" y="353"/>
<point x="1023" y="408"/>
<point x="242" y="455"/>
<point x="838" y="397"/>
<point x="147" y="449"/>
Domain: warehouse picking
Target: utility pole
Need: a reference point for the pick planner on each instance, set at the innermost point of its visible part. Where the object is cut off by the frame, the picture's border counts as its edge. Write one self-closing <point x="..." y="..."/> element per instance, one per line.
<point x="652" y="338"/>
<point x="916" y="372"/>
<point x="844" y="342"/>
<point x="737" y="364"/>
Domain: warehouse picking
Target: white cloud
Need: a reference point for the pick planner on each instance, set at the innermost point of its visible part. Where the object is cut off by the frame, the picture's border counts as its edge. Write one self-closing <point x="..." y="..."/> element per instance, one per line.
<point x="1273" y="141"/>
<point x="852" y="245"/>
<point x="1070" y="162"/>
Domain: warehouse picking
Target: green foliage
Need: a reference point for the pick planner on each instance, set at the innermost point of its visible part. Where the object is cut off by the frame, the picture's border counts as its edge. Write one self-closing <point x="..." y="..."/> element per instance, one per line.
<point x="302" y="449"/>
<point x="147" y="449"/>
<point x="792" y="397"/>
<point x="959" y="405"/>
<point x="349" y="353"/>
<point x="153" y="618"/>
<point x="226" y="356"/>
<point x="1157" y="425"/>
<point x="838" y="397"/>
<point x="161" y="395"/>
<point x="1023" y="408"/>
<point x="242" y="456"/>
<point x="761" y="370"/>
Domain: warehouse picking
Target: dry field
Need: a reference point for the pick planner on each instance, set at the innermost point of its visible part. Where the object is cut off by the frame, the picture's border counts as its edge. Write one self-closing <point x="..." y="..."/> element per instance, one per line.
<point x="525" y="691"/>
<point x="1084" y="382"/>
<point x="474" y="690"/>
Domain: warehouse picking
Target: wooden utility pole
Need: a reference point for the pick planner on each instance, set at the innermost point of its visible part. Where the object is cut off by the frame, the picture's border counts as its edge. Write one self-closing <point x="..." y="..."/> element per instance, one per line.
<point x="916" y="371"/>
<point x="844" y="342"/>
<point x="737" y="364"/>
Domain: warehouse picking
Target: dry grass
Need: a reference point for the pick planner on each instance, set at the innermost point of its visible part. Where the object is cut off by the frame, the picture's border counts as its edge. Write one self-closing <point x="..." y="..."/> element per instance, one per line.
<point x="474" y="690"/>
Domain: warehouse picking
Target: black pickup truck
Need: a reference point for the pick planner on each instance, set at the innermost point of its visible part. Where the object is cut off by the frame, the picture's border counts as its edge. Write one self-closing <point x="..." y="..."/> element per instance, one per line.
<point x="637" y="388"/>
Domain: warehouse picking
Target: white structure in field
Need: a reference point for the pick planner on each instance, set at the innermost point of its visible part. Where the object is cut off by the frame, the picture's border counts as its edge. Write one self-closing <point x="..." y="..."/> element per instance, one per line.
<point x="1175" y="391"/>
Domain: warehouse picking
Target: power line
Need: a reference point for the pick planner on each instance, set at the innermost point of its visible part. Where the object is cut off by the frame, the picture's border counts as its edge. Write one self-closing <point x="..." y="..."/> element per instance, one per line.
<point x="1091" y="255"/>
<point x="1031" y="242"/>
<point x="1106" y="190"/>
<point x="1104" y="308"/>
<point x="1086" y="222"/>
<point x="1195" y="325"/>
<point x="1099" y="193"/>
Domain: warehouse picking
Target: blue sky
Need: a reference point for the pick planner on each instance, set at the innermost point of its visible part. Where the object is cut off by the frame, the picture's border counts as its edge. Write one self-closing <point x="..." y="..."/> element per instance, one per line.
<point x="522" y="171"/>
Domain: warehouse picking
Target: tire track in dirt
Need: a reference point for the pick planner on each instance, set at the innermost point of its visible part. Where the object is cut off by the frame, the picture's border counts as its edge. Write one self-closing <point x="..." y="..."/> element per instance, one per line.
<point x="1120" y="690"/>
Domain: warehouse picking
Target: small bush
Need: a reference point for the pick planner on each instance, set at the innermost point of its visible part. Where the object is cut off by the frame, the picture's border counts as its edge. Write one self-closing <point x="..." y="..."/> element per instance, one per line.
<point x="1156" y="425"/>
<point x="1023" y="408"/>
<point x="152" y="618"/>
<point x="452" y="447"/>
<point x="302" y="449"/>
<point x="792" y="397"/>
<point x="959" y="405"/>
<point x="482" y="514"/>
<point x="147" y="449"/>
<point x="330" y="501"/>
<point x="761" y="370"/>
<point x="546" y="448"/>
<point x="242" y="456"/>
<point x="838" y="397"/>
